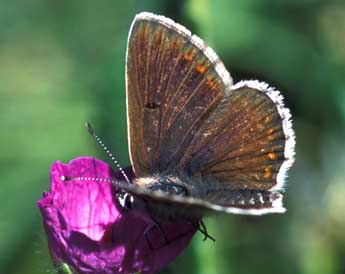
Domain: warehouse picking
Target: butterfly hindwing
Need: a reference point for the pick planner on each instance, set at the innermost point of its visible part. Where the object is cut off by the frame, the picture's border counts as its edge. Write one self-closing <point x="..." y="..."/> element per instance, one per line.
<point x="174" y="82"/>
<point x="249" y="143"/>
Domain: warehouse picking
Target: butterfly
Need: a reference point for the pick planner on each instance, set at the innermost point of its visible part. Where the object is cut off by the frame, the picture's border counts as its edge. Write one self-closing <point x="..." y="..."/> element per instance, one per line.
<point x="198" y="142"/>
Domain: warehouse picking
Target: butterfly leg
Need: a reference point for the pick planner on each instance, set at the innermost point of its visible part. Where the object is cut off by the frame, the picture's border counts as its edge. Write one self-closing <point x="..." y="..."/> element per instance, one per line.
<point x="151" y="227"/>
<point x="203" y="230"/>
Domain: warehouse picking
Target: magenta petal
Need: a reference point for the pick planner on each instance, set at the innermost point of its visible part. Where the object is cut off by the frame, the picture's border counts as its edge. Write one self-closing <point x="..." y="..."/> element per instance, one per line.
<point x="88" y="230"/>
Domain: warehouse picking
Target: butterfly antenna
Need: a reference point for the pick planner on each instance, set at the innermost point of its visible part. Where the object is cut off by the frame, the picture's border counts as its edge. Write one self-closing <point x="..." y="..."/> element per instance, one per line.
<point x="104" y="147"/>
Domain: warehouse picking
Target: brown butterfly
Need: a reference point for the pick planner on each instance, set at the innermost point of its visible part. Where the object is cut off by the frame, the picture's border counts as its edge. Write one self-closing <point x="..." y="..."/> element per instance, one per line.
<point x="198" y="142"/>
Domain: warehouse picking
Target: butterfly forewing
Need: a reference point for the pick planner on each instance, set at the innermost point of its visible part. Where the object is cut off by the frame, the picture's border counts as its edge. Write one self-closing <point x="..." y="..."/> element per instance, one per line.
<point x="174" y="82"/>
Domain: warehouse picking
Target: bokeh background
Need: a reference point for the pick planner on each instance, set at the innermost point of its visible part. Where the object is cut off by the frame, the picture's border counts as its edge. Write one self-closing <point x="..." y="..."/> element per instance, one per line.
<point x="62" y="63"/>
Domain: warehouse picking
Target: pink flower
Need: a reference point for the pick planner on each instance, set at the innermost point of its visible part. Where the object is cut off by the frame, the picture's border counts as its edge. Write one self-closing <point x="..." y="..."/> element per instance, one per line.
<point x="88" y="229"/>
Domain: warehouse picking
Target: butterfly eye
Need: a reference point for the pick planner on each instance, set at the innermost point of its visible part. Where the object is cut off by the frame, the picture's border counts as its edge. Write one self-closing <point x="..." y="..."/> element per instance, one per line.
<point x="129" y="200"/>
<point x="126" y="200"/>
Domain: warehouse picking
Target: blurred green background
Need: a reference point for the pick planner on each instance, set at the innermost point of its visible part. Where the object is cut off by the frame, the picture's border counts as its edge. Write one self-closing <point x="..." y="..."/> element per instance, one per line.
<point x="62" y="63"/>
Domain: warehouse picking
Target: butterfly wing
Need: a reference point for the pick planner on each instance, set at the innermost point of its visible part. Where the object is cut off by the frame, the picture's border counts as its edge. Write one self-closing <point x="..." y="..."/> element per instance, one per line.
<point x="184" y="115"/>
<point x="174" y="82"/>
<point x="248" y="141"/>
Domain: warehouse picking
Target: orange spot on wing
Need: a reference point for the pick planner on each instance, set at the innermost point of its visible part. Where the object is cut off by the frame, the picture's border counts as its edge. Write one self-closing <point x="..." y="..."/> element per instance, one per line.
<point x="267" y="119"/>
<point x="270" y="131"/>
<point x="188" y="57"/>
<point x="270" y="137"/>
<point x="201" y="69"/>
<point x="209" y="83"/>
<point x="212" y="85"/>
<point x="267" y="174"/>
<point x="272" y="156"/>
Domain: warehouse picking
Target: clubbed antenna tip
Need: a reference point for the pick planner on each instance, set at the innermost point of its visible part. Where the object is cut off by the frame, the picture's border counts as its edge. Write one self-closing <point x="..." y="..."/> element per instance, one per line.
<point x="90" y="128"/>
<point x="101" y="144"/>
